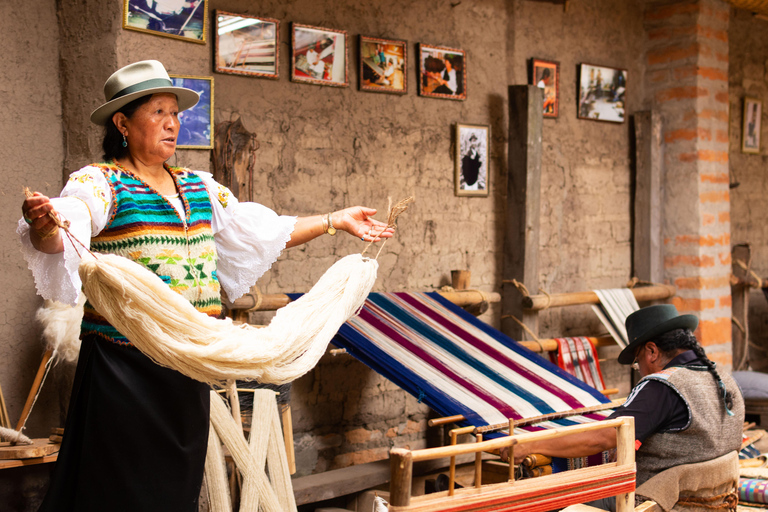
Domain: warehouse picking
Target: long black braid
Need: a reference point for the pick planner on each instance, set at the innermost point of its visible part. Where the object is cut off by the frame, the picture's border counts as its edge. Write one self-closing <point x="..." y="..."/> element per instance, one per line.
<point x="671" y="341"/>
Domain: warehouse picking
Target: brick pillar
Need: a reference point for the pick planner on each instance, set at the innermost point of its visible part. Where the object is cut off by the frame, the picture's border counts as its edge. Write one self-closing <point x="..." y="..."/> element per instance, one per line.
<point x="687" y="81"/>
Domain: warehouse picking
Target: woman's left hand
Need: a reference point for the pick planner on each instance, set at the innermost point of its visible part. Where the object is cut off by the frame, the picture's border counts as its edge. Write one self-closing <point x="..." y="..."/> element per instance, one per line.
<point x="357" y="222"/>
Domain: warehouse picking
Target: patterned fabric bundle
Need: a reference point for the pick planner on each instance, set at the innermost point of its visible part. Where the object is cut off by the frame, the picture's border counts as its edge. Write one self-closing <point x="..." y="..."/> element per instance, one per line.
<point x="578" y="357"/>
<point x="752" y="490"/>
<point x="457" y="364"/>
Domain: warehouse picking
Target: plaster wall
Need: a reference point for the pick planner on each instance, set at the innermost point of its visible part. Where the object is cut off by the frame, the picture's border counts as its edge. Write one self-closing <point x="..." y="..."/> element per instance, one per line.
<point x="748" y="76"/>
<point x="30" y="155"/>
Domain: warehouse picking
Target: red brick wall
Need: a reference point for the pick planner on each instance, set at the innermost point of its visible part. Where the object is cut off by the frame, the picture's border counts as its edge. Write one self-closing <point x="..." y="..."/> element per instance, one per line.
<point x="687" y="81"/>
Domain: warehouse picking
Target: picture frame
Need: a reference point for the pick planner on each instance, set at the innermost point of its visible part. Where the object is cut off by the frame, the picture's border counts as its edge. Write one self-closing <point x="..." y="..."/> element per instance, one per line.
<point x="472" y="160"/>
<point x="442" y="72"/>
<point x="180" y="21"/>
<point x="383" y="65"/>
<point x="750" y="127"/>
<point x="602" y="93"/>
<point x="196" y="130"/>
<point x="319" y="55"/>
<point x="545" y="74"/>
<point x="246" y="45"/>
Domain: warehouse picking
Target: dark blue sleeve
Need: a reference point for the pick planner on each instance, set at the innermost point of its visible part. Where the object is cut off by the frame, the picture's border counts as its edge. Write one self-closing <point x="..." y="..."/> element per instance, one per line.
<point x="656" y="407"/>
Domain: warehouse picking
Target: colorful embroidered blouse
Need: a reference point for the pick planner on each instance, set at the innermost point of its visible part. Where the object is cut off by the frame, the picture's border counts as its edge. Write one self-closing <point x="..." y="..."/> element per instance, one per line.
<point x="247" y="237"/>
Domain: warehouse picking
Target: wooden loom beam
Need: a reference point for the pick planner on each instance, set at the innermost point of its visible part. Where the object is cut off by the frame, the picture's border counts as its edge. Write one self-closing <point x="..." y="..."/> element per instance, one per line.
<point x="274" y="301"/>
<point x="642" y="294"/>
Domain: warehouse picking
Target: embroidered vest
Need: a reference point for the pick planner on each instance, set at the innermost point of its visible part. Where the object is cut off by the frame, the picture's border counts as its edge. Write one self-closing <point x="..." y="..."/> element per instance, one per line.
<point x="146" y="228"/>
<point x="710" y="432"/>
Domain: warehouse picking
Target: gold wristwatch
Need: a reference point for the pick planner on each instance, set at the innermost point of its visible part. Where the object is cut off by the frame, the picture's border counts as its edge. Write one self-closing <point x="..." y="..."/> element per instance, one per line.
<point x="331" y="230"/>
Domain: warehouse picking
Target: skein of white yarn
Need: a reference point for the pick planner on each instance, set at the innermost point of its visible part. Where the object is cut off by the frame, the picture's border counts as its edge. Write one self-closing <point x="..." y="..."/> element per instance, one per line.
<point x="168" y="329"/>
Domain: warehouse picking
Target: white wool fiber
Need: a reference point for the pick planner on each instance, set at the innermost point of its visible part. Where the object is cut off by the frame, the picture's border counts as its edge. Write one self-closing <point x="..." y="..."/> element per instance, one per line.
<point x="168" y="329"/>
<point x="61" y="328"/>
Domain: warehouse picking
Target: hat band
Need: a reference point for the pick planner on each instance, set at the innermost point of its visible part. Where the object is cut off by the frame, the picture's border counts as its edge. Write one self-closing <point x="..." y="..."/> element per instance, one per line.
<point x="141" y="86"/>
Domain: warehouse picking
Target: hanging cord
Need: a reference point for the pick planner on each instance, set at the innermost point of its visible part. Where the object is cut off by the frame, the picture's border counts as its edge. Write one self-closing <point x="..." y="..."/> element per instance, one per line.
<point x="394" y="213"/>
<point x="525" y="293"/>
<point x="526" y="329"/>
<point x="751" y="274"/>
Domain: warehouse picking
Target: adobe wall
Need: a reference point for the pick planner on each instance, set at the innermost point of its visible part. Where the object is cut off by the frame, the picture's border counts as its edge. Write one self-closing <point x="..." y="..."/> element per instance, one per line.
<point x="748" y="76"/>
<point x="586" y="166"/>
<point x="30" y="155"/>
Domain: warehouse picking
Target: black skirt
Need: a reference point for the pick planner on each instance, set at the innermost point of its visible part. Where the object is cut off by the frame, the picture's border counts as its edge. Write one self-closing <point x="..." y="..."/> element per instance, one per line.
<point x="135" y="437"/>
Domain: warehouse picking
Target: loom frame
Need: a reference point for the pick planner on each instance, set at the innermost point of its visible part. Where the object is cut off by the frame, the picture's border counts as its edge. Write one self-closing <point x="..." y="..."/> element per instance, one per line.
<point x="585" y="484"/>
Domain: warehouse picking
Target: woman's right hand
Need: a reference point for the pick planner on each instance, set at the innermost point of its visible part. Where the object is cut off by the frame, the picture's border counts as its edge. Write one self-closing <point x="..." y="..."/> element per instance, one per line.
<point x="43" y="232"/>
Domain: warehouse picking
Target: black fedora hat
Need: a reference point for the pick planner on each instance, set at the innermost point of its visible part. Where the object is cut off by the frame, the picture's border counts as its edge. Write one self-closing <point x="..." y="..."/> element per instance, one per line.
<point x="645" y="324"/>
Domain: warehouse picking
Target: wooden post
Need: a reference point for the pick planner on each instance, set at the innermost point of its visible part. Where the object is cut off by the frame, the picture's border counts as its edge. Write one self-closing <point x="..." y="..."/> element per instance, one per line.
<point x="741" y="260"/>
<point x="647" y="250"/>
<point x="479" y="464"/>
<point x="401" y="463"/>
<point x="625" y="454"/>
<point x="521" y="240"/>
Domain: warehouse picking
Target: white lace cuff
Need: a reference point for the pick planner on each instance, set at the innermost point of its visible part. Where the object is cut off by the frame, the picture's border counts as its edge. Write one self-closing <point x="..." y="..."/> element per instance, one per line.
<point x="249" y="244"/>
<point x="56" y="276"/>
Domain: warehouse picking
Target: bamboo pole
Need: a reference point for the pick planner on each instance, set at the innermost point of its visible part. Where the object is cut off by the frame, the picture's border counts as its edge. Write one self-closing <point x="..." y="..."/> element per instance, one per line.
<point x="550" y="344"/>
<point x="625" y="454"/>
<point x="642" y="294"/>
<point x="274" y="301"/>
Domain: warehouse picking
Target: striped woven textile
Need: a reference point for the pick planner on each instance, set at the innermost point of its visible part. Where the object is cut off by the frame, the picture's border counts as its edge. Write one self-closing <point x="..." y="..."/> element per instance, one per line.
<point x="457" y="364"/>
<point x="578" y="357"/>
<point x="752" y="490"/>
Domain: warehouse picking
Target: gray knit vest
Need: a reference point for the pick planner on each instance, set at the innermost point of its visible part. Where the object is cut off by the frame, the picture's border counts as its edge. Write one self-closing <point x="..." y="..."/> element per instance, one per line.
<point x="710" y="432"/>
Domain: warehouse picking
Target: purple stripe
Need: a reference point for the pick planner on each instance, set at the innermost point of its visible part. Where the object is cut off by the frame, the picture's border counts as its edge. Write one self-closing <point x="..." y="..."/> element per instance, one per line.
<point x="376" y="321"/>
<point x="488" y="350"/>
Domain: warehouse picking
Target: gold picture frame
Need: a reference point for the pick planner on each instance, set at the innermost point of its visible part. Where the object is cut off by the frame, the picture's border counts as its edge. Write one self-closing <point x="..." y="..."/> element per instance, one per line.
<point x="196" y="130"/>
<point x="472" y="175"/>
<point x="186" y="23"/>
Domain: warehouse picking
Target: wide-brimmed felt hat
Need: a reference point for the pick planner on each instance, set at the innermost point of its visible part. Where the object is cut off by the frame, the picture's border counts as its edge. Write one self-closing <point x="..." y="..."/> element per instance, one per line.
<point x="645" y="324"/>
<point x="136" y="80"/>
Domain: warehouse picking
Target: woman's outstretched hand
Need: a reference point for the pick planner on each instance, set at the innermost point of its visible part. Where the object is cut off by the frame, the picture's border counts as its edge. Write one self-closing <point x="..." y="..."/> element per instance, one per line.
<point x="357" y="221"/>
<point x="43" y="231"/>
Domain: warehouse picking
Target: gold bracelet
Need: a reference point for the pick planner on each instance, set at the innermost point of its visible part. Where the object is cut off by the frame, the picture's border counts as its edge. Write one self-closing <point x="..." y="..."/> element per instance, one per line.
<point x="50" y="234"/>
<point x="331" y="230"/>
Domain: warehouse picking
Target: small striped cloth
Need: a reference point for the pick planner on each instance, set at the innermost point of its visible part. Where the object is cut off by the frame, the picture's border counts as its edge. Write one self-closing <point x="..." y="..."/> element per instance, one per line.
<point x="578" y="357"/>
<point x="457" y="364"/>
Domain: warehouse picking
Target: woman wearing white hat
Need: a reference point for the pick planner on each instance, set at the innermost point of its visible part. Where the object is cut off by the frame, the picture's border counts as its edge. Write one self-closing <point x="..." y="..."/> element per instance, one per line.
<point x="136" y="433"/>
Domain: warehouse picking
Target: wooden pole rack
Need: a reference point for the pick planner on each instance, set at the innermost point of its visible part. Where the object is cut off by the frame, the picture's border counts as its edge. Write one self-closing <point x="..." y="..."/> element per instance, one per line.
<point x="642" y="294"/>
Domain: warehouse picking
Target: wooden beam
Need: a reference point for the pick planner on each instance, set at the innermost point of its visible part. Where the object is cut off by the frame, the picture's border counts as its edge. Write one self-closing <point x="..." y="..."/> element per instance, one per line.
<point x="642" y="294"/>
<point x="274" y="301"/>
<point x="521" y="238"/>
<point x="647" y="243"/>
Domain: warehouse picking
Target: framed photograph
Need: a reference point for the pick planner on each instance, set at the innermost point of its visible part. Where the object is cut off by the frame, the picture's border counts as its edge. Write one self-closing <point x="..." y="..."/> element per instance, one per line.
<point x="750" y="130"/>
<point x="196" y="130"/>
<point x="180" y="19"/>
<point x="471" y="160"/>
<point x="382" y="65"/>
<point x="320" y="56"/>
<point x="545" y="74"/>
<point x="442" y="72"/>
<point x="246" y="45"/>
<point x="601" y="93"/>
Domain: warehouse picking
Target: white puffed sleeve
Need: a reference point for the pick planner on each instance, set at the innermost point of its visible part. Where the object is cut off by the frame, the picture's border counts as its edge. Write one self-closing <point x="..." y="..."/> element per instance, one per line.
<point x="85" y="202"/>
<point x="249" y="238"/>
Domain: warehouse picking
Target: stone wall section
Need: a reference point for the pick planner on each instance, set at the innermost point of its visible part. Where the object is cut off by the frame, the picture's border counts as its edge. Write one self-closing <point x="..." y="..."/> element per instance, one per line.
<point x="687" y="80"/>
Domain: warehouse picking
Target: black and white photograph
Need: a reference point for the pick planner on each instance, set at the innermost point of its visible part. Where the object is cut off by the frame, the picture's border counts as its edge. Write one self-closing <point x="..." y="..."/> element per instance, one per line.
<point x="246" y="45"/>
<point x="602" y="92"/>
<point x="179" y="19"/>
<point x="471" y="160"/>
